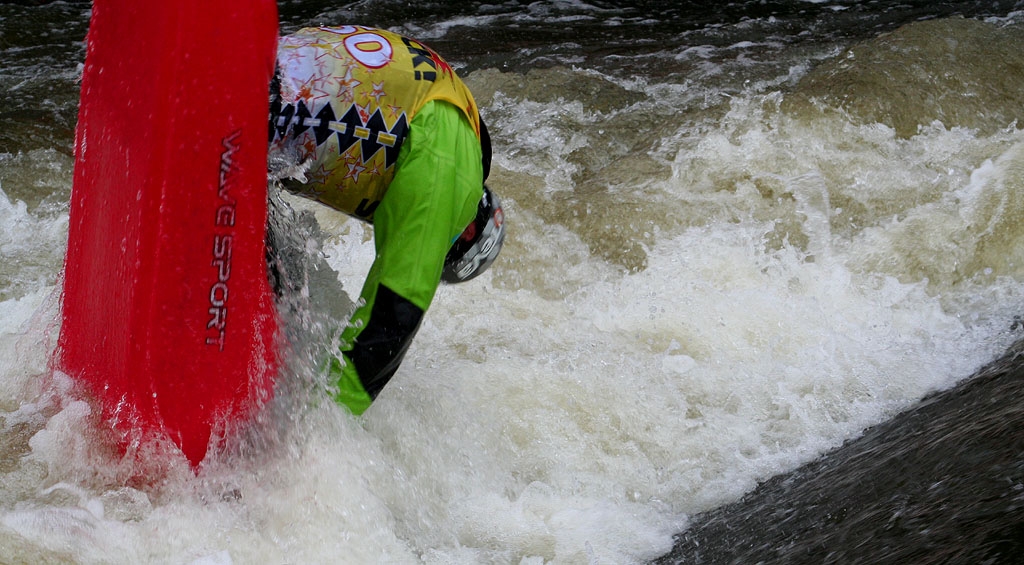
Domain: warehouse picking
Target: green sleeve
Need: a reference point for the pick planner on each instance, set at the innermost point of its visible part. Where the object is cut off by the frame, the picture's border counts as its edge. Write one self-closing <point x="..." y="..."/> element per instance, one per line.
<point x="433" y="197"/>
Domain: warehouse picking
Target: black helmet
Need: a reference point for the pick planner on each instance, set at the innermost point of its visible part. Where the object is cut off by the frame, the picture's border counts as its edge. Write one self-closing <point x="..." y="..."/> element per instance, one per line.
<point x="479" y="244"/>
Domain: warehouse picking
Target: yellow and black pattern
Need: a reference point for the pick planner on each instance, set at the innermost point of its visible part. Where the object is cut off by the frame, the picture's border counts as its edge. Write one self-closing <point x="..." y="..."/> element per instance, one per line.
<point x="348" y="95"/>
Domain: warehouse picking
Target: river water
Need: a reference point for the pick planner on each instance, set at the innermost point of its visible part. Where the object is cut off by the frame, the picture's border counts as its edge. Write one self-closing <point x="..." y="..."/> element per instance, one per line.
<point x="740" y="234"/>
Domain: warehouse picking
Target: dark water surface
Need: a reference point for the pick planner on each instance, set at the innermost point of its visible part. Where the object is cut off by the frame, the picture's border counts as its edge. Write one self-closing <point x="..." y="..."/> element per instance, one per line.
<point x="940" y="483"/>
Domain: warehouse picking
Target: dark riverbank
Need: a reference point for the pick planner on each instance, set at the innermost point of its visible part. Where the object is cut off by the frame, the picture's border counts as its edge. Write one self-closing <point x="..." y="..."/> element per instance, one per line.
<point x="940" y="483"/>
